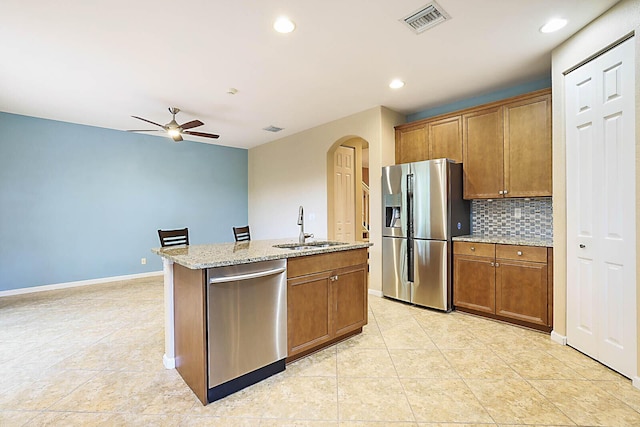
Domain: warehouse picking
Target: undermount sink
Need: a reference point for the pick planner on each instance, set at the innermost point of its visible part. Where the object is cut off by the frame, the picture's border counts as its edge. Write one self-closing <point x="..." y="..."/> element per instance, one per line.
<point x="308" y="245"/>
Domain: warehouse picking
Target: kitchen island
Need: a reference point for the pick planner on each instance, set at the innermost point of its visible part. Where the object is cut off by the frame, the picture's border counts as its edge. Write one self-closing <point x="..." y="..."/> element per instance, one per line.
<point x="326" y="301"/>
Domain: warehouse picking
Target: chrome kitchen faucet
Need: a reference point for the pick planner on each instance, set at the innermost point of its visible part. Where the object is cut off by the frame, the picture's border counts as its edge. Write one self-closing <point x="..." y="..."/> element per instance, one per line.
<point x="303" y="236"/>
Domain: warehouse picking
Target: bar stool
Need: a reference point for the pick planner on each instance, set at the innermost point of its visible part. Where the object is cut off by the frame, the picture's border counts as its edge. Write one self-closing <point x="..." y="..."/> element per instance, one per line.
<point x="174" y="237"/>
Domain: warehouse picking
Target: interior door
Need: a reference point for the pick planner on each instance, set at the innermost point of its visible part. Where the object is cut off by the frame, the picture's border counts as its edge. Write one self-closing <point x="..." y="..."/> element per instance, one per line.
<point x="601" y="230"/>
<point x="344" y="193"/>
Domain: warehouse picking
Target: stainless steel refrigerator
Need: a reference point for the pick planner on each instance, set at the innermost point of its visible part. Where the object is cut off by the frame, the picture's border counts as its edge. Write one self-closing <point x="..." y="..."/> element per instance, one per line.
<point x="422" y="210"/>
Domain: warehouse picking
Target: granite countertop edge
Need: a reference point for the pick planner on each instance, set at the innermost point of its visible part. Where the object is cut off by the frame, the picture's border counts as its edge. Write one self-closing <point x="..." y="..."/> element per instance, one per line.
<point x="505" y="240"/>
<point x="197" y="257"/>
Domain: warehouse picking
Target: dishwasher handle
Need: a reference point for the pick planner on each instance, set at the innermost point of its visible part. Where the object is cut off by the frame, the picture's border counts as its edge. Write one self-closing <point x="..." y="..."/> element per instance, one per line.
<point x="248" y="276"/>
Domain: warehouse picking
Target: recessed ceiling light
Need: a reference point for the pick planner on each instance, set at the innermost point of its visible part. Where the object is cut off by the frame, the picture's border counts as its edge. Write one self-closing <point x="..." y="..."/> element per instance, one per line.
<point x="553" y="25"/>
<point x="396" y="84"/>
<point x="284" y="25"/>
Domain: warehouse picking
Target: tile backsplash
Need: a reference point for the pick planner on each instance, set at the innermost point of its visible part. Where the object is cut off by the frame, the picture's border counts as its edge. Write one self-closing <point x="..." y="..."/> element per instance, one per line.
<point x="497" y="217"/>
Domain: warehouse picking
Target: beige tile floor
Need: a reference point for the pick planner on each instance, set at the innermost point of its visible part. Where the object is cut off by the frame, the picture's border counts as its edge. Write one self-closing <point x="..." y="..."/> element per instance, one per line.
<point x="93" y="356"/>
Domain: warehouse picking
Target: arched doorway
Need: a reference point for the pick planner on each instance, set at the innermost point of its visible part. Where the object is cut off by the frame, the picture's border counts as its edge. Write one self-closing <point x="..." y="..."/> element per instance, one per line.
<point x="348" y="189"/>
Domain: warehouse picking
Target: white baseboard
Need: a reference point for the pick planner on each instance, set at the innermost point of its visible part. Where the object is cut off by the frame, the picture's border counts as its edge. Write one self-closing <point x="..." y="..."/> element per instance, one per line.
<point x="635" y="381"/>
<point x="168" y="362"/>
<point x="560" y="339"/>
<point x="375" y="293"/>
<point x="57" y="286"/>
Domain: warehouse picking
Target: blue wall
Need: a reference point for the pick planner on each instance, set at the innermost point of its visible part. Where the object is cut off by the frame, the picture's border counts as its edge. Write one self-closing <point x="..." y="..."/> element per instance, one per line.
<point x="80" y="202"/>
<point x="479" y="100"/>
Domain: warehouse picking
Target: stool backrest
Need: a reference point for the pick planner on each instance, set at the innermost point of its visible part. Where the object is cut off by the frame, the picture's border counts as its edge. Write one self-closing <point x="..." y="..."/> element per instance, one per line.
<point x="174" y="237"/>
<point x="241" y="233"/>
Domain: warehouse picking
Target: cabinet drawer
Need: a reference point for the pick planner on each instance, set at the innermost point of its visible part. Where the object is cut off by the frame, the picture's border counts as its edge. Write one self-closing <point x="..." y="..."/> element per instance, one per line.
<point x="300" y="266"/>
<point x="522" y="253"/>
<point x="474" y="249"/>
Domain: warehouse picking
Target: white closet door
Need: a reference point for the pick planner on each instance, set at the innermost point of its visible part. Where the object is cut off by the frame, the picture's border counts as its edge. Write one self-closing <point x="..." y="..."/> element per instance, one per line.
<point x="601" y="230"/>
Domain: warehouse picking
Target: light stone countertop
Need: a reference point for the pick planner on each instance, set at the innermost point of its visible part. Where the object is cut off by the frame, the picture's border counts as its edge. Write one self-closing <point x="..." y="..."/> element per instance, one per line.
<point x="198" y="257"/>
<point x="505" y="240"/>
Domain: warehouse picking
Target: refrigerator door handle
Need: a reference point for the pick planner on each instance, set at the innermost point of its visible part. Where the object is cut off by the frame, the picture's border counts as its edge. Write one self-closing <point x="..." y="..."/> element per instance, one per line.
<point x="410" y="269"/>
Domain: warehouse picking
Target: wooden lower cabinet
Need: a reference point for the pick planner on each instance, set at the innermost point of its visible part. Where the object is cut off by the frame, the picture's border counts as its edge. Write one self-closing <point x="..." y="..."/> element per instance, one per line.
<point x="326" y="299"/>
<point x="476" y="288"/>
<point x="514" y="285"/>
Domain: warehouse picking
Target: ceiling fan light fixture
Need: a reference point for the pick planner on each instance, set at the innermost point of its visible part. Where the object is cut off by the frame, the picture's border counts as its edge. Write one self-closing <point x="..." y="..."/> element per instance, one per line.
<point x="173" y="132"/>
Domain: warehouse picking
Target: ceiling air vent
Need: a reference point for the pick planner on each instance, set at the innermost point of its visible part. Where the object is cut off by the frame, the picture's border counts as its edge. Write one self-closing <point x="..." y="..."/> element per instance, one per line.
<point x="426" y="17"/>
<point x="272" y="129"/>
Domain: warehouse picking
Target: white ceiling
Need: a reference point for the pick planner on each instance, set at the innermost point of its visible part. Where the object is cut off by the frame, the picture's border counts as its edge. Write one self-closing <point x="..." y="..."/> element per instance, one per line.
<point x="99" y="62"/>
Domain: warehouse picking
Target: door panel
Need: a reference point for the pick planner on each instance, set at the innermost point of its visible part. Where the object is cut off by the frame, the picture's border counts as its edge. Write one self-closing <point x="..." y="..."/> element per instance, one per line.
<point x="344" y="188"/>
<point x="601" y="229"/>
<point x="430" y="199"/>
<point x="394" y="269"/>
<point x="394" y="209"/>
<point x="431" y="274"/>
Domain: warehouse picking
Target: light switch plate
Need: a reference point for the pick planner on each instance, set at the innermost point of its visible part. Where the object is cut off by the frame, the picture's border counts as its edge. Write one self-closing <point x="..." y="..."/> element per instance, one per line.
<point x="517" y="213"/>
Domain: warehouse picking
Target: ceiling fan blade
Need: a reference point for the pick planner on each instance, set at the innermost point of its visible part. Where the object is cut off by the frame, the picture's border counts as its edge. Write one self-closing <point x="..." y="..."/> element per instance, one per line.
<point x="148" y="121"/>
<point x="142" y="130"/>
<point x="177" y="138"/>
<point x="206" y="135"/>
<point x="191" y="124"/>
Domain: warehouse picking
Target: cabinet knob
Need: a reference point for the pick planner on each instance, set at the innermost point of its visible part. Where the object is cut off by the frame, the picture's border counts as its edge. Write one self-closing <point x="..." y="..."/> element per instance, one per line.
<point x="519" y="253"/>
<point x="473" y="248"/>
<point x="493" y="264"/>
<point x="505" y="192"/>
<point x="497" y="264"/>
<point x="500" y="192"/>
<point x="334" y="278"/>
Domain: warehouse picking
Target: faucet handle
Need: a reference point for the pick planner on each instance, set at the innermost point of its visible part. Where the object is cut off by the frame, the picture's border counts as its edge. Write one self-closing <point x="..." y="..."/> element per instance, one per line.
<point x="306" y="235"/>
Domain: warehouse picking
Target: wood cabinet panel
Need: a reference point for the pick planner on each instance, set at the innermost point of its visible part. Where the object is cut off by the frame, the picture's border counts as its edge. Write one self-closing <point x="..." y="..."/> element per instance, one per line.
<point x="521" y="290"/>
<point x="516" y="285"/>
<point x="475" y="249"/>
<point x="474" y="283"/>
<point x="411" y="145"/>
<point x="309" y="312"/>
<point x="522" y="253"/>
<point x="326" y="299"/>
<point x="351" y="293"/>
<point x="190" y="326"/>
<point x="303" y="265"/>
<point x="505" y="146"/>
<point x="445" y="138"/>
<point x="483" y="153"/>
<point x="527" y="147"/>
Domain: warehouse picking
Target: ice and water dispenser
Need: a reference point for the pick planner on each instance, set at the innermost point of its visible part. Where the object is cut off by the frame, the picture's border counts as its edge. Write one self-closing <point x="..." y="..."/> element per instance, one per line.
<point x="393" y="209"/>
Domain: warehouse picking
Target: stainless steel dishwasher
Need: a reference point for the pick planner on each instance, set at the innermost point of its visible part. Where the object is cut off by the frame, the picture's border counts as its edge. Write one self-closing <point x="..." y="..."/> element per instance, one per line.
<point x="246" y="325"/>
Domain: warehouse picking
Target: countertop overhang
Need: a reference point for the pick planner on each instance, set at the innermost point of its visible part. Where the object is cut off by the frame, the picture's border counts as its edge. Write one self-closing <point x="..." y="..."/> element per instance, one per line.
<point x="198" y="257"/>
<point x="505" y="240"/>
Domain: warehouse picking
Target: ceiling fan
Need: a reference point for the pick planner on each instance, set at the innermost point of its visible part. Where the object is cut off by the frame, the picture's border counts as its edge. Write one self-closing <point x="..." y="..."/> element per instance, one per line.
<point x="175" y="130"/>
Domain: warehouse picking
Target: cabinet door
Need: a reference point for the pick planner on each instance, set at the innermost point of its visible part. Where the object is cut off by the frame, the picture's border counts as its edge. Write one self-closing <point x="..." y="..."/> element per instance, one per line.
<point x="350" y="296"/>
<point x="527" y="147"/>
<point x="521" y="290"/>
<point x="309" y="312"/>
<point x="411" y="145"/>
<point x="445" y="138"/>
<point x="474" y="283"/>
<point x="482" y="135"/>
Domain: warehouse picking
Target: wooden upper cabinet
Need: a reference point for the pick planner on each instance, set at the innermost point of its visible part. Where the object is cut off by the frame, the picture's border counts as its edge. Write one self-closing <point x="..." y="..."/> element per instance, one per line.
<point x="445" y="138"/>
<point x="483" y="153"/>
<point x="527" y="147"/>
<point x="505" y="146"/>
<point x="411" y="144"/>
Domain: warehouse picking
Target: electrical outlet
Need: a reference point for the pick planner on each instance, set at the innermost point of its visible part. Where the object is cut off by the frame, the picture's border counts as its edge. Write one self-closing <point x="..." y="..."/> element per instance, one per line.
<point x="143" y="261"/>
<point x="517" y="213"/>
